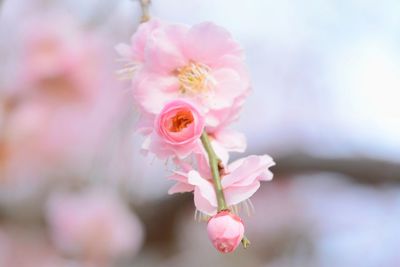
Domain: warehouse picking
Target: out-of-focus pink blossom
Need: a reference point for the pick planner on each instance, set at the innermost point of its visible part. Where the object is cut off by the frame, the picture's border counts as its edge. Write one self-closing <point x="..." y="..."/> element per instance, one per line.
<point x="60" y="59"/>
<point x="177" y="130"/>
<point x="241" y="181"/>
<point x="92" y="224"/>
<point x="225" y="231"/>
<point x="64" y="102"/>
<point x="202" y="63"/>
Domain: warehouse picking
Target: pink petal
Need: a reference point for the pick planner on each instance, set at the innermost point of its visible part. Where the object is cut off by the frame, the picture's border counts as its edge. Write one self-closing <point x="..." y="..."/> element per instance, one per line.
<point x="207" y="42"/>
<point x="203" y="186"/>
<point x="124" y="50"/>
<point x="152" y="92"/>
<point x="183" y="165"/>
<point x="235" y="63"/>
<point x="163" y="52"/>
<point x="221" y="118"/>
<point x="228" y="87"/>
<point x="180" y="188"/>
<point x="245" y="171"/>
<point x="178" y="176"/>
<point x="203" y="166"/>
<point x="235" y="195"/>
<point x="142" y="35"/>
<point x="203" y="204"/>
<point x="221" y="151"/>
<point x="145" y="123"/>
<point x="231" y="140"/>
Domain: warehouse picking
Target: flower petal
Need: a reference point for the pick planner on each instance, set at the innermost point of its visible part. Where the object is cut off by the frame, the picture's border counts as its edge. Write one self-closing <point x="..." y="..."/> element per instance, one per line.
<point x="152" y="92"/>
<point x="234" y="195"/>
<point x="205" y="188"/>
<point x="180" y="188"/>
<point x="163" y="53"/>
<point x="231" y="140"/>
<point x="228" y="87"/>
<point x="207" y="42"/>
<point x="221" y="151"/>
<point x="203" y="204"/>
<point x="124" y="50"/>
<point x="142" y="35"/>
<point x="244" y="171"/>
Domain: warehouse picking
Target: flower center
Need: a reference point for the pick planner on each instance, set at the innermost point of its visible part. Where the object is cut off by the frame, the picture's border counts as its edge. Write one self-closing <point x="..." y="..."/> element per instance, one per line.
<point x="194" y="78"/>
<point x="181" y="120"/>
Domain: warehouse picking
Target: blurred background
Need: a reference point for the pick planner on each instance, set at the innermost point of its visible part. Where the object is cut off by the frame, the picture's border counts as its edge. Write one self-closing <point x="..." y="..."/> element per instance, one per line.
<point x="74" y="190"/>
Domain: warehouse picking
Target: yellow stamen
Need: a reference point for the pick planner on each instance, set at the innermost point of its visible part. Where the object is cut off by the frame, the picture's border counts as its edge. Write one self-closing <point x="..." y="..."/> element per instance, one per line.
<point x="194" y="78"/>
<point x="128" y="71"/>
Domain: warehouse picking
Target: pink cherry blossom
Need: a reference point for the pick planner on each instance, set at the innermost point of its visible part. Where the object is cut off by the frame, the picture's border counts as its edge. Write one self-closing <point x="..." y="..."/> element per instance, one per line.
<point x="240" y="183"/>
<point x="94" y="222"/>
<point x="177" y="130"/>
<point x="201" y="63"/>
<point x="225" y="231"/>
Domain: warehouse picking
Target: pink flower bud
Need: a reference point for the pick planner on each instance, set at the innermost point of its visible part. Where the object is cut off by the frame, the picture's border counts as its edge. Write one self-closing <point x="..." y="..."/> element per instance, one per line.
<point x="225" y="231"/>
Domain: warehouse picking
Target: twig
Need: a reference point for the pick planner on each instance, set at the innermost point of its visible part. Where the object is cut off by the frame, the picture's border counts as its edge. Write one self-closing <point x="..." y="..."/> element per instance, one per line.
<point x="361" y="169"/>
<point x="145" y="10"/>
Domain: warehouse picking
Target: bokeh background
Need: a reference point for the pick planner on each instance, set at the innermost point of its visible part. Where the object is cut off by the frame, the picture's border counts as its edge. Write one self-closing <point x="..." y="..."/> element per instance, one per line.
<point x="74" y="190"/>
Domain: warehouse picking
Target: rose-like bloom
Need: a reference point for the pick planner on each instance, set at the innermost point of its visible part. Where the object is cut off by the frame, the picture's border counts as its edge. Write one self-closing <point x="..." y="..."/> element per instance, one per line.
<point x="225" y="231"/>
<point x="201" y="63"/>
<point x="177" y="130"/>
<point x="241" y="181"/>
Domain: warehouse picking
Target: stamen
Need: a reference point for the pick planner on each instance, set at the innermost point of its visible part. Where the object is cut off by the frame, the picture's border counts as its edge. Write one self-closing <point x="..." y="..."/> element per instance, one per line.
<point x="194" y="78"/>
<point x="181" y="120"/>
<point x="128" y="71"/>
<point x="248" y="206"/>
<point x="200" y="217"/>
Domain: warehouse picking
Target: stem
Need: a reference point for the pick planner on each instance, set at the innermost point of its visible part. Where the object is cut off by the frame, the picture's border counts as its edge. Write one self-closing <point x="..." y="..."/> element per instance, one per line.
<point x="145" y="10"/>
<point x="215" y="170"/>
<point x="214" y="161"/>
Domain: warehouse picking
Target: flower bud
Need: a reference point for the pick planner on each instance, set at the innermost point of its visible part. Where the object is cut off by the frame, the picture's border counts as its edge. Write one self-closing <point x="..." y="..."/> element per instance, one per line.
<point x="225" y="231"/>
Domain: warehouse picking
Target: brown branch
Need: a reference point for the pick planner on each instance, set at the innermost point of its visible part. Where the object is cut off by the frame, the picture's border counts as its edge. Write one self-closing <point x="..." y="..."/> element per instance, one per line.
<point x="360" y="169"/>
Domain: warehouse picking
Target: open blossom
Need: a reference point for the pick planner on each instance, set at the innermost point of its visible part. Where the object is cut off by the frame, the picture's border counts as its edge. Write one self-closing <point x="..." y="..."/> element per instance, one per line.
<point x="177" y="130"/>
<point x="225" y="231"/>
<point x="201" y="63"/>
<point x="241" y="181"/>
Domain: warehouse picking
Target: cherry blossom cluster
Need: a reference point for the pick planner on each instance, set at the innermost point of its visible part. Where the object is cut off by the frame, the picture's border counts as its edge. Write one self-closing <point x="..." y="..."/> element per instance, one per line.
<point x="190" y="84"/>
